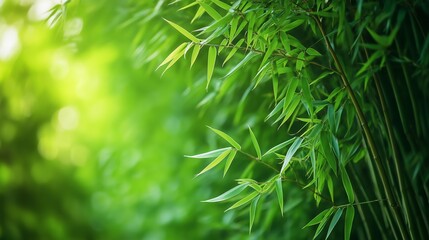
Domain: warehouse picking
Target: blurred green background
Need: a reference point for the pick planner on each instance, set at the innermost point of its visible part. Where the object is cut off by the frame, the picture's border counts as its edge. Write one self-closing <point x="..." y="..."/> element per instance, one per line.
<point x="92" y="138"/>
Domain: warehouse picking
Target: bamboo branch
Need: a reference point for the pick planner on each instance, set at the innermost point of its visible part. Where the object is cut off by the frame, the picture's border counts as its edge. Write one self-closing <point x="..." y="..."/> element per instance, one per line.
<point x="363" y="122"/>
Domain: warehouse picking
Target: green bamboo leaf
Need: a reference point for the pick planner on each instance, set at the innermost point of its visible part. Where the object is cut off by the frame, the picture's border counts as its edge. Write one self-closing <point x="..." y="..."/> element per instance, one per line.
<point x="250" y="27"/>
<point x="229" y="161"/>
<point x="210" y="64"/>
<point x="228" y="194"/>
<point x="188" y="6"/>
<point x="173" y="54"/>
<point x="312" y="52"/>
<point x="215" y="162"/>
<point x="350" y="214"/>
<point x="275" y="81"/>
<point x="279" y="146"/>
<point x="211" y="11"/>
<point x="255" y="143"/>
<point x="293" y="148"/>
<point x="300" y="63"/>
<point x="252" y="211"/>
<point x="279" y="191"/>
<point x="293" y="25"/>
<point x="210" y="154"/>
<point x="183" y="31"/>
<point x="233" y="51"/>
<point x="222" y="46"/>
<point x="326" y="147"/>
<point x="347" y="185"/>
<point x="227" y="138"/>
<point x="318" y="218"/>
<point x="323" y="222"/>
<point x="334" y="221"/>
<point x="290" y="109"/>
<point x="221" y="4"/>
<point x="195" y="52"/>
<point x="242" y="63"/>
<point x="198" y="14"/>
<point x="276" y="109"/>
<point x="285" y="41"/>
<point x="233" y="28"/>
<point x="243" y="201"/>
<point x="330" y="187"/>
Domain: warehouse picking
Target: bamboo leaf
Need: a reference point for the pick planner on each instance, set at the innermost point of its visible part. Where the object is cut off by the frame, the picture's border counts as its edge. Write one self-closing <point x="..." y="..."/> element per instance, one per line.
<point x="173" y="54"/>
<point x="233" y="51"/>
<point x="323" y="222"/>
<point x="210" y="64"/>
<point x="279" y="191"/>
<point x="240" y="64"/>
<point x="210" y="154"/>
<point x="312" y="52"/>
<point x="252" y="211"/>
<point x="183" y="31"/>
<point x="300" y="61"/>
<point x="334" y="221"/>
<point x="347" y="185"/>
<point x="326" y="147"/>
<point x="221" y="4"/>
<point x="215" y="162"/>
<point x="229" y="161"/>
<point x="276" y="109"/>
<point x="228" y="194"/>
<point x="255" y="143"/>
<point x="293" y="25"/>
<point x="243" y="201"/>
<point x="293" y="148"/>
<point x="318" y="218"/>
<point x="227" y="138"/>
<point x="195" y="52"/>
<point x="279" y="146"/>
<point x="350" y="214"/>
<point x="233" y="28"/>
<point x="211" y="11"/>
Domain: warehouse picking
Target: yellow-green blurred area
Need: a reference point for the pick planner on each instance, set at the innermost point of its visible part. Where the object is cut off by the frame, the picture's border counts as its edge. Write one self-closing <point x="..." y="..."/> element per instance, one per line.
<point x="92" y="138"/>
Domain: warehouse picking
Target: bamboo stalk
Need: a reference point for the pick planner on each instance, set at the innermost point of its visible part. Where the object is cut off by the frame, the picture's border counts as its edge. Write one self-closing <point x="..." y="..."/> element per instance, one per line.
<point x="386" y="185"/>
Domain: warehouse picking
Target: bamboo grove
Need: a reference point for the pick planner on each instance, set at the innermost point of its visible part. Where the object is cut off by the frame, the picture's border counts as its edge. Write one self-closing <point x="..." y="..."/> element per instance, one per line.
<point x="330" y="97"/>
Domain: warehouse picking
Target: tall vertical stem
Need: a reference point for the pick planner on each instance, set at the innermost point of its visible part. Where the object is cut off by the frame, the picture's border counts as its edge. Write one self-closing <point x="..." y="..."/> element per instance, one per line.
<point x="368" y="135"/>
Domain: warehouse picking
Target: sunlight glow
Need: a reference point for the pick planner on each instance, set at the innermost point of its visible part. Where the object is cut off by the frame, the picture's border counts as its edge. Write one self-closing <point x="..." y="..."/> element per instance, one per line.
<point x="68" y="118"/>
<point x="9" y="43"/>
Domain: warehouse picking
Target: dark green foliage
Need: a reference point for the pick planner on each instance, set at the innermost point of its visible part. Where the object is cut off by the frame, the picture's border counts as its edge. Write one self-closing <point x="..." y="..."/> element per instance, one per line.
<point x="345" y="84"/>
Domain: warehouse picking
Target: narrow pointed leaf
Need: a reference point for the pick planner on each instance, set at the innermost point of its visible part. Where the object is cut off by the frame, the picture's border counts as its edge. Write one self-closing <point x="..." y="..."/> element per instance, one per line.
<point x="252" y="211"/>
<point x="195" y="52"/>
<point x="227" y="138"/>
<point x="183" y="31"/>
<point x="221" y="4"/>
<point x="229" y="161"/>
<point x="215" y="162"/>
<point x="233" y="51"/>
<point x="318" y="218"/>
<point x="173" y="54"/>
<point x="228" y="194"/>
<point x="279" y="191"/>
<point x="211" y="11"/>
<point x="210" y="154"/>
<point x="323" y="222"/>
<point x="243" y="201"/>
<point x="350" y="214"/>
<point x="279" y="146"/>
<point x="293" y="148"/>
<point x="210" y="64"/>
<point x="255" y="143"/>
<point x="334" y="221"/>
<point x="347" y="185"/>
